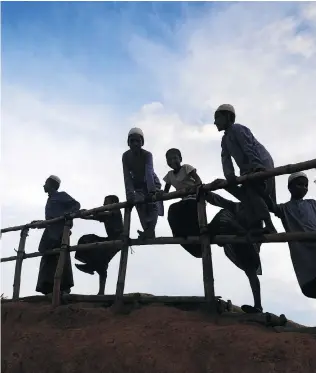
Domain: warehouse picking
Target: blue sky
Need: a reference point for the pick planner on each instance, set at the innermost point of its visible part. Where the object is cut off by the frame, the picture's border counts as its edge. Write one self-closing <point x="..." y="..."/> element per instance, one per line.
<point x="77" y="76"/>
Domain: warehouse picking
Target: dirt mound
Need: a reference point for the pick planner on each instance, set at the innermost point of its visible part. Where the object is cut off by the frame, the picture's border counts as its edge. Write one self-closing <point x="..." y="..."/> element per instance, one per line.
<point x="82" y="338"/>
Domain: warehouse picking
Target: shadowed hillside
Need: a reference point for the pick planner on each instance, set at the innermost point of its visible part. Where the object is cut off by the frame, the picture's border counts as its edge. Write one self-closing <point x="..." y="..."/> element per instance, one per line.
<point x="81" y="338"/>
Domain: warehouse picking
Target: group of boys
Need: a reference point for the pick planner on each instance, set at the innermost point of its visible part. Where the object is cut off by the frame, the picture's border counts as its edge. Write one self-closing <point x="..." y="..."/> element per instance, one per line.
<point x="257" y="199"/>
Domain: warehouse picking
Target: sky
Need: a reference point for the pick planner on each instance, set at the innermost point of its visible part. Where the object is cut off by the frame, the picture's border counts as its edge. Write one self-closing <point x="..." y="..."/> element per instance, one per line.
<point x="76" y="76"/>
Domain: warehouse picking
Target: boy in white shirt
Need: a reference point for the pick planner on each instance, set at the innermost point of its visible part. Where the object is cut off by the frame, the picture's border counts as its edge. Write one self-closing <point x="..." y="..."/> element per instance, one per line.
<point x="182" y="216"/>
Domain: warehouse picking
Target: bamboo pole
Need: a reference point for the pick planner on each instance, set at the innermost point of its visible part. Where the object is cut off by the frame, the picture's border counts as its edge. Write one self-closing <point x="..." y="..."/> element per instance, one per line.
<point x="221" y="240"/>
<point x="61" y="264"/>
<point x="208" y="277"/>
<point x="282" y="170"/>
<point x="123" y="261"/>
<point x="18" y="265"/>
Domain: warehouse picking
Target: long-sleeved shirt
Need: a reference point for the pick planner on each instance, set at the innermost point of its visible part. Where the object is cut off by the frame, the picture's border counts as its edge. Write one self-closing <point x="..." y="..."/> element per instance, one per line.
<point x="239" y="143"/>
<point x="59" y="204"/>
<point x="139" y="172"/>
<point x="300" y="216"/>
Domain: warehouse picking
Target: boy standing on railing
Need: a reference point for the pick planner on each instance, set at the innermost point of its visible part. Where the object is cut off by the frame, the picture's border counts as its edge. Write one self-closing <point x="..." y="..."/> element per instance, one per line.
<point x="183" y="216"/>
<point x="141" y="181"/>
<point x="58" y="204"/>
<point x="233" y="219"/>
<point x="250" y="155"/>
<point x="299" y="215"/>
<point x="98" y="260"/>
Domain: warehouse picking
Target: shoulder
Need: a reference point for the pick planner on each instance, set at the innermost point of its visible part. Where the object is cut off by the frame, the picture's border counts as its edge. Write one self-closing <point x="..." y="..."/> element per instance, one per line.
<point x="62" y="194"/>
<point x="125" y="154"/>
<point x="188" y="168"/>
<point x="310" y="201"/>
<point x="237" y="127"/>
<point x="166" y="179"/>
<point x="146" y="153"/>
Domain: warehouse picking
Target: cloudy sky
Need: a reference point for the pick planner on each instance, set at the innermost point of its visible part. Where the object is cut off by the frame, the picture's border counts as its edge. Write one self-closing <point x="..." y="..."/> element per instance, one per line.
<point x="77" y="76"/>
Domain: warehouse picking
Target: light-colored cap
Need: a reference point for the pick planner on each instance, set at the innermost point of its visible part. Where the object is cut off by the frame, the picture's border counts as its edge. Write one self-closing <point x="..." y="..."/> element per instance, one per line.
<point x="295" y="176"/>
<point x="136" y="131"/>
<point x="56" y="178"/>
<point x="226" y="107"/>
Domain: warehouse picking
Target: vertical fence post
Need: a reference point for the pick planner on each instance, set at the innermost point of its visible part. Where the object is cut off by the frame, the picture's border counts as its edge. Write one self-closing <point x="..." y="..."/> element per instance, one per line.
<point x="208" y="278"/>
<point x="18" y="264"/>
<point x="61" y="263"/>
<point x="123" y="261"/>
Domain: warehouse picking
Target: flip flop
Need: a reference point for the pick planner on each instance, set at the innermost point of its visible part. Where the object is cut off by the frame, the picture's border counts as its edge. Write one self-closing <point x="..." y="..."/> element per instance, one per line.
<point x="250" y="309"/>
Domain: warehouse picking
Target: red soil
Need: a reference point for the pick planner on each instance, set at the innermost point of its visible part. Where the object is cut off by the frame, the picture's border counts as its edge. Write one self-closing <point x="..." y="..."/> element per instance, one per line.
<point x="155" y="339"/>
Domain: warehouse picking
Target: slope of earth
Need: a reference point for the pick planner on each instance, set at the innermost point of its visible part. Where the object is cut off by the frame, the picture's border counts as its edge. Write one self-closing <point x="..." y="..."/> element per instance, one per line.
<point x="82" y="338"/>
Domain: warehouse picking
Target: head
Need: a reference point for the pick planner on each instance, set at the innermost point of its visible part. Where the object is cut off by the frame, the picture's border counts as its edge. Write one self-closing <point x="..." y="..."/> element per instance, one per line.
<point x="224" y="117"/>
<point x="135" y="139"/>
<point x="174" y="158"/>
<point x="298" y="185"/>
<point x="52" y="184"/>
<point x="109" y="200"/>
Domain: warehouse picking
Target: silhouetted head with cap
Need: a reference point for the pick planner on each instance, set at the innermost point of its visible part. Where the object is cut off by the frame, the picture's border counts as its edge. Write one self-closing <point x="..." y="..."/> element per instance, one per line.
<point x="51" y="184"/>
<point x="111" y="199"/>
<point x="224" y="117"/>
<point x="135" y="139"/>
<point x="298" y="185"/>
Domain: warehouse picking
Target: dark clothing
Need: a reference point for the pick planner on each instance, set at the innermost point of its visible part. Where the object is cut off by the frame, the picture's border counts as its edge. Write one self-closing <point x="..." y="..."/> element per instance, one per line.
<point x="244" y="256"/>
<point x="98" y="259"/>
<point x="58" y="204"/>
<point x="184" y="222"/>
<point x="140" y="179"/>
<point x="113" y="224"/>
<point x="228" y="221"/>
<point x="239" y="143"/>
<point x="300" y="216"/>
<point x="48" y="264"/>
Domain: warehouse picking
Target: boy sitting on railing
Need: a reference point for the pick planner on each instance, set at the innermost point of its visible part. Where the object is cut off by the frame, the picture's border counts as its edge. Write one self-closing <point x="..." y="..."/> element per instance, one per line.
<point x="299" y="215"/>
<point x="234" y="219"/>
<point x="97" y="260"/>
<point x="183" y="216"/>
<point x="141" y="181"/>
<point x="250" y="155"/>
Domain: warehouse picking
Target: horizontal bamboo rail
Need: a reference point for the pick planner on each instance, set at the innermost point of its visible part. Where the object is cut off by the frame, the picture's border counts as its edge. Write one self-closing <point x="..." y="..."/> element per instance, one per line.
<point x="218" y="240"/>
<point x="288" y="169"/>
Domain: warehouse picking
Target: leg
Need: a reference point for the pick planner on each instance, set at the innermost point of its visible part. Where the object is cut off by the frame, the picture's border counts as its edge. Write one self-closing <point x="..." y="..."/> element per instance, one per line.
<point x="102" y="281"/>
<point x="148" y="216"/>
<point x="85" y="268"/>
<point x="255" y="200"/>
<point x="256" y="292"/>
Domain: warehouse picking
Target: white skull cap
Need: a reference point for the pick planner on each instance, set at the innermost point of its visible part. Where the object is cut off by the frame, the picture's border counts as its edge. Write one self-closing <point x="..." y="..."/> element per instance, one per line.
<point x="226" y="107"/>
<point x="136" y="131"/>
<point x="56" y="178"/>
<point x="295" y="176"/>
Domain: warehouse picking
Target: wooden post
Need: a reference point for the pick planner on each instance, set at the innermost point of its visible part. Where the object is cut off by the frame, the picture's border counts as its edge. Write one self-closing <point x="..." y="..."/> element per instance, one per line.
<point x="208" y="278"/>
<point x="61" y="264"/>
<point x="18" y="264"/>
<point x="123" y="261"/>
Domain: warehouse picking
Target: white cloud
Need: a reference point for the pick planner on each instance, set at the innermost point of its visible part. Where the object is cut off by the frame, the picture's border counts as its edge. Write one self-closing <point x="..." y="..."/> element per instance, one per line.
<point x="263" y="67"/>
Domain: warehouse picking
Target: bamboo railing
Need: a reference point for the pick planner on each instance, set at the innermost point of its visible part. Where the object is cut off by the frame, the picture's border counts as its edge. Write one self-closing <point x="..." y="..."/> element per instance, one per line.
<point x="203" y="239"/>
